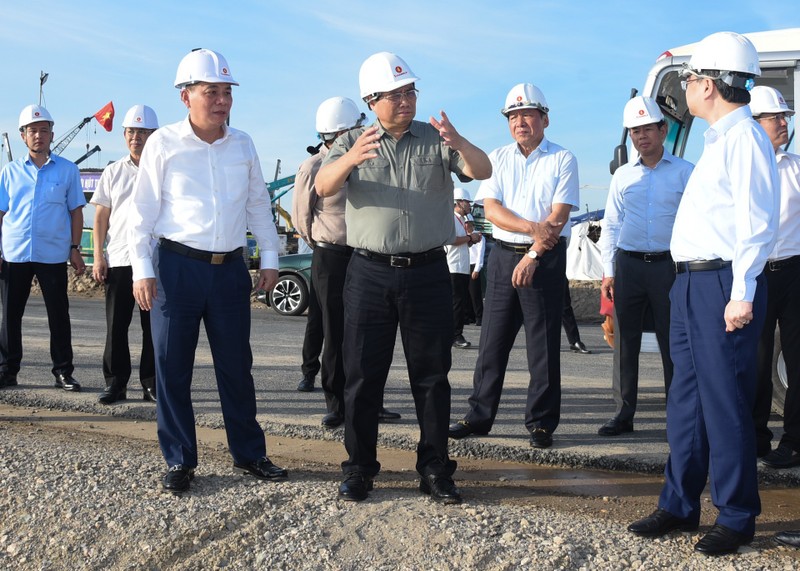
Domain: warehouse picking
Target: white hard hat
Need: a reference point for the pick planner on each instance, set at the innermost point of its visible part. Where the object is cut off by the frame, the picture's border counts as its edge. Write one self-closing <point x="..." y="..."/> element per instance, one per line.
<point x="203" y="65"/>
<point x="140" y="117"/>
<point x="461" y="194"/>
<point x="641" y="111"/>
<point x="338" y="114"/>
<point x="765" y="99"/>
<point x="34" y="114"/>
<point x="525" y="96"/>
<point x="725" y="52"/>
<point x="382" y="72"/>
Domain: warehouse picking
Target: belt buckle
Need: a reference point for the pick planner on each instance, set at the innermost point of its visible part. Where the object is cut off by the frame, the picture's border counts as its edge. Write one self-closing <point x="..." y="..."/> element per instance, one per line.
<point x="217" y="259"/>
<point x="773" y="265"/>
<point x="648" y="257"/>
<point x="399" y="261"/>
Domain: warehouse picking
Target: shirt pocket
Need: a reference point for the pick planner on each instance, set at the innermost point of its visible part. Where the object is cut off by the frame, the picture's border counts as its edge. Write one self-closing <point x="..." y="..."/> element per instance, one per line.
<point x="427" y="172"/>
<point x="55" y="193"/>
<point x="373" y="174"/>
<point x="237" y="182"/>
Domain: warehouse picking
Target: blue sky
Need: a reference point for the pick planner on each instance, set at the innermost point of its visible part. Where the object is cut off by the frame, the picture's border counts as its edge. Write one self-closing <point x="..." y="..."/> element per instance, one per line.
<point x="290" y="56"/>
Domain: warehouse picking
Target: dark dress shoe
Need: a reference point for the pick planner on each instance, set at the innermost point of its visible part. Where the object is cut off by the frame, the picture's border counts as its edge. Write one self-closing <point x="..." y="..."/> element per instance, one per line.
<point x="263" y="469"/>
<point x="177" y="478"/>
<point x="306" y="385"/>
<point x="8" y="380"/>
<point x="460" y="342"/>
<point x="579" y="347"/>
<point x="615" y="427"/>
<point x="790" y="538"/>
<point x="659" y="523"/>
<point x="441" y="489"/>
<point x="355" y="487"/>
<point x="332" y="420"/>
<point x="782" y="457"/>
<point x="388" y="416"/>
<point x="541" y="438"/>
<point x="462" y="429"/>
<point x="721" y="540"/>
<point x="149" y="394"/>
<point x="68" y="383"/>
<point x="477" y="323"/>
<point x="112" y="394"/>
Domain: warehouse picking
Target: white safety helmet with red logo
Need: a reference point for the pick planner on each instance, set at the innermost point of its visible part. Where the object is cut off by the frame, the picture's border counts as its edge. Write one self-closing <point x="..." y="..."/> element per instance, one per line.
<point x="525" y="96"/>
<point x="140" y="117"/>
<point x="461" y="194"/>
<point x="203" y="65"/>
<point x="641" y="111"/>
<point x="34" y="114"/>
<point x="765" y="99"/>
<point x="382" y="72"/>
<point x="338" y="114"/>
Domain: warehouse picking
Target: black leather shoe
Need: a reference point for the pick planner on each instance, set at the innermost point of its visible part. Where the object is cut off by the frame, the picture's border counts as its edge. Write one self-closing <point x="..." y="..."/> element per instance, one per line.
<point x="355" y="487"/>
<point x="462" y="429"/>
<point x="68" y="383"/>
<point x="388" y="416"/>
<point x="8" y="380"/>
<point x="460" y="342"/>
<point x="149" y="394"/>
<point x="177" y="478"/>
<point x="263" y="469"/>
<point x="541" y="438"/>
<point x="659" y="523"/>
<point x="790" y="538"/>
<point x="306" y="385"/>
<point x="332" y="420"/>
<point x="112" y="394"/>
<point x="782" y="457"/>
<point x="721" y="540"/>
<point x="579" y="347"/>
<point x="615" y="427"/>
<point x="441" y="489"/>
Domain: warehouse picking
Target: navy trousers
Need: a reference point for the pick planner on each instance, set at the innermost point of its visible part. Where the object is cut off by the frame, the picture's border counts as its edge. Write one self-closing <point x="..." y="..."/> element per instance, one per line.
<point x="506" y="309"/>
<point x="191" y="291"/>
<point x="710" y="403"/>
<point x="377" y="299"/>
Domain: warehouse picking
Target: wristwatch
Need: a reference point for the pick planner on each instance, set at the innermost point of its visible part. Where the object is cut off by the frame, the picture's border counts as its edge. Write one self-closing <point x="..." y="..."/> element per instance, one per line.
<point x="75" y="247"/>
<point x="532" y="254"/>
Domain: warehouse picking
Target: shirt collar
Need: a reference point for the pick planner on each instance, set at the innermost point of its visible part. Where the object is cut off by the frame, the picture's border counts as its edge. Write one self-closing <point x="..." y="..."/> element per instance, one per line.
<point x="666" y="157"/>
<point x="724" y="124"/>
<point x="544" y="147"/>
<point x="185" y="131"/>
<point x="415" y="128"/>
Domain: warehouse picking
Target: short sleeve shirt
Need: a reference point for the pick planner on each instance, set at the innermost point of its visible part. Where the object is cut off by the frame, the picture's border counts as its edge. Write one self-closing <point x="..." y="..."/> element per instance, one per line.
<point x="114" y="191"/>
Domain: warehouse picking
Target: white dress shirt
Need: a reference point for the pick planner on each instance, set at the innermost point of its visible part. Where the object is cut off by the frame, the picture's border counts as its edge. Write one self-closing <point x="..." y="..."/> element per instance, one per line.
<point x="788" y="242"/>
<point x="458" y="256"/>
<point x="114" y="191"/>
<point x="202" y="195"/>
<point x="641" y="207"/>
<point x="529" y="186"/>
<point x="729" y="209"/>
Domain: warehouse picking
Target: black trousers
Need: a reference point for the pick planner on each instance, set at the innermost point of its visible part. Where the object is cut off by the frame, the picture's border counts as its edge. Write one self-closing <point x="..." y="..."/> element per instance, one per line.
<point x="475" y="310"/>
<point x="568" y="318"/>
<point x="637" y="285"/>
<point x="328" y="272"/>
<point x="119" y="313"/>
<point x="377" y="299"/>
<point x="15" y="289"/>
<point x="506" y="310"/>
<point x="460" y="285"/>
<point x="783" y="308"/>
<point x="312" y="342"/>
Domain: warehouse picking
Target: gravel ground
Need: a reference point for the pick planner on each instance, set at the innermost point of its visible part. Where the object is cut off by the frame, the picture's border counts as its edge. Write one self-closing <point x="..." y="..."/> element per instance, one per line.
<point x="65" y="506"/>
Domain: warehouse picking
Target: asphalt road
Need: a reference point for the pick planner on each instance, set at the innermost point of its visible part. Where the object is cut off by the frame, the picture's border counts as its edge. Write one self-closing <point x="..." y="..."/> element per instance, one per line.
<point x="276" y="343"/>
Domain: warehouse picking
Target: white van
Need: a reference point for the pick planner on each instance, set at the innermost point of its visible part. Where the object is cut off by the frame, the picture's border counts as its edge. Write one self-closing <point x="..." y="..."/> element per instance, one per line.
<point x="779" y="55"/>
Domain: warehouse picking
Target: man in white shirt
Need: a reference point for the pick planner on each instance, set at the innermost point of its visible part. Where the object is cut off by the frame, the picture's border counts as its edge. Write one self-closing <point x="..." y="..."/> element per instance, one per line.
<point x="112" y="264"/>
<point x="724" y="230"/>
<point x="476" y="254"/>
<point x="458" y="264"/>
<point x="199" y="190"/>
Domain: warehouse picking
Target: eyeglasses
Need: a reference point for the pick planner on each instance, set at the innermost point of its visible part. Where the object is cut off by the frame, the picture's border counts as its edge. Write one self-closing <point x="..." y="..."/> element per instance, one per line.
<point x="397" y="96"/>
<point x="777" y="118"/>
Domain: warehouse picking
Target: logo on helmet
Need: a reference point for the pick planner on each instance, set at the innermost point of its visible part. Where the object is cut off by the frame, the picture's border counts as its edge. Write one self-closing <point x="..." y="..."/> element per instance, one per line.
<point x="225" y="71"/>
<point x="138" y="120"/>
<point x="36" y="113"/>
<point x="641" y="112"/>
<point x="519" y="98"/>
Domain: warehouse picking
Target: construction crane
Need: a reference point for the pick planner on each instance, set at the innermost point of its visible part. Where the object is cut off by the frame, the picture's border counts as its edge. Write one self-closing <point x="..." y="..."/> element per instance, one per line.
<point x="62" y="143"/>
<point x="88" y="154"/>
<point x="7" y="145"/>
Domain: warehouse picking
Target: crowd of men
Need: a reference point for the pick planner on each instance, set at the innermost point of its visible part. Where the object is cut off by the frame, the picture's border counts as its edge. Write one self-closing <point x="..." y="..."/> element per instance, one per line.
<point x="391" y="241"/>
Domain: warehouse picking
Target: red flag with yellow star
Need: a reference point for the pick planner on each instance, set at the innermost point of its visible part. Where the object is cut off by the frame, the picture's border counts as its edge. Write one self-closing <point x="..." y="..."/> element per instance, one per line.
<point x="106" y="116"/>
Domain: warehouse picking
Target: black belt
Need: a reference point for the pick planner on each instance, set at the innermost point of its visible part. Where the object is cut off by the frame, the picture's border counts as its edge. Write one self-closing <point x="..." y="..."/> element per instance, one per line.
<point x="648" y="256"/>
<point x="210" y="257"/>
<point x="403" y="260"/>
<point x="521" y="248"/>
<point x="775" y="265"/>
<point x="335" y="247"/>
<point x="701" y="266"/>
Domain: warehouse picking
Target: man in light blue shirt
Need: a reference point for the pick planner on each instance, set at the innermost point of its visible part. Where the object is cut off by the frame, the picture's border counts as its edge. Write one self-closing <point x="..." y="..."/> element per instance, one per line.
<point x="637" y="266"/>
<point x="41" y="219"/>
